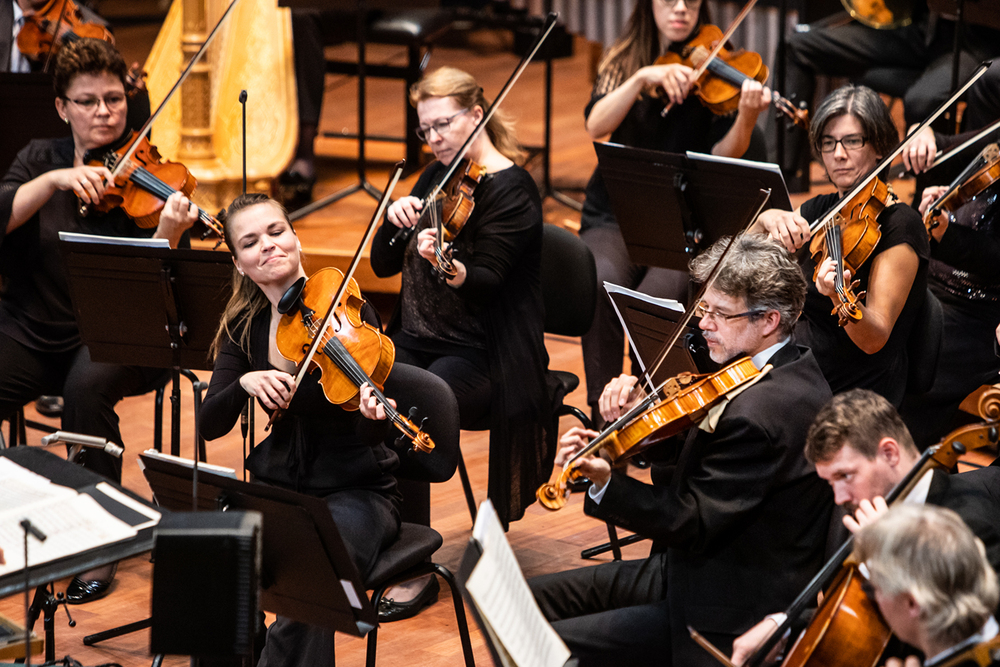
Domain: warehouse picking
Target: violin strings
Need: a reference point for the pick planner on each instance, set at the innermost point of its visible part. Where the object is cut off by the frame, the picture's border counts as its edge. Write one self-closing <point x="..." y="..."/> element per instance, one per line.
<point x="150" y="183"/>
<point x="334" y="348"/>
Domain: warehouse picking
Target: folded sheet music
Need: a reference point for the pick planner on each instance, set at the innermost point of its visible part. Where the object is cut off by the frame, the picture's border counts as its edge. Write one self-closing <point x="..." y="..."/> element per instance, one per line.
<point x="521" y="634"/>
<point x="72" y="522"/>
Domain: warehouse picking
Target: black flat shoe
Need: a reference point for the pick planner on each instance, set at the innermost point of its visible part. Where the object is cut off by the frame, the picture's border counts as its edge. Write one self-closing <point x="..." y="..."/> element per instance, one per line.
<point x="389" y="610"/>
<point x="80" y="591"/>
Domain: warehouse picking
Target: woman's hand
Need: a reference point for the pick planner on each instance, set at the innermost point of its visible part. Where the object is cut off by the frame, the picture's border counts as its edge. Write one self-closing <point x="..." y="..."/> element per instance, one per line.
<point x="754" y="98"/>
<point x="273" y="388"/>
<point x="931" y="195"/>
<point x="405" y="211"/>
<point x="425" y="245"/>
<point x="176" y="217"/>
<point x="619" y="397"/>
<point x="87" y="182"/>
<point x="787" y="227"/>
<point x="826" y="279"/>
<point x="675" y="80"/>
<point x="596" y="469"/>
<point x="370" y="406"/>
<point x="919" y="155"/>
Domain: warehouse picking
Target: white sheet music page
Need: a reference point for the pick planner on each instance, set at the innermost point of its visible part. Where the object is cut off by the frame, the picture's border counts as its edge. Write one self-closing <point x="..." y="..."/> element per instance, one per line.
<point x="504" y="600"/>
<point x="72" y="522"/>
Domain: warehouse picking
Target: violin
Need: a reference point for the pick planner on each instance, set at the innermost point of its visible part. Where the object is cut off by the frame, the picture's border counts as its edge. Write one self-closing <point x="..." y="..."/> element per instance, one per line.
<point x="683" y="402"/>
<point x="720" y="78"/>
<point x="451" y="209"/>
<point x="143" y="183"/>
<point x="351" y="352"/>
<point x="980" y="174"/>
<point x="847" y="629"/>
<point x="56" y="22"/>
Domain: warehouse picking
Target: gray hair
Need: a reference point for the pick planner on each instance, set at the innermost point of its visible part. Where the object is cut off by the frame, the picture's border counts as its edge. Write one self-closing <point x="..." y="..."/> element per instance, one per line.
<point x="929" y="553"/>
<point x="759" y="270"/>
<point x="864" y="104"/>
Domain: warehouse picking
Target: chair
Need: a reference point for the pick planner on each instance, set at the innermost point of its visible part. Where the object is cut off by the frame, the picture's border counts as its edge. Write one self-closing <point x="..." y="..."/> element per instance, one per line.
<point x="417" y="30"/>
<point x="569" y="292"/>
<point x="408" y="558"/>
<point x="924" y="346"/>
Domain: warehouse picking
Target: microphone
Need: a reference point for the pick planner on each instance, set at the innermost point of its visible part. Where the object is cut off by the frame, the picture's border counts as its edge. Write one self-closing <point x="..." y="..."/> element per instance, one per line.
<point x="243" y="102"/>
<point x="80" y="440"/>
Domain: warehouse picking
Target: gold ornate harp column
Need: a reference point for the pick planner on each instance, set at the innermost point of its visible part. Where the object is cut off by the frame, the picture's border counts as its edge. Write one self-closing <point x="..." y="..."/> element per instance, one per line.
<point x="201" y="125"/>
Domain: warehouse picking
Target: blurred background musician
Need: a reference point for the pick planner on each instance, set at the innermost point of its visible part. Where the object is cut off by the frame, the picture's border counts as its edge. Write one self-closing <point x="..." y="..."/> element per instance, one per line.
<point x="628" y="97"/>
<point x="40" y="348"/>
<point x="317" y="447"/>
<point x="850" y="132"/>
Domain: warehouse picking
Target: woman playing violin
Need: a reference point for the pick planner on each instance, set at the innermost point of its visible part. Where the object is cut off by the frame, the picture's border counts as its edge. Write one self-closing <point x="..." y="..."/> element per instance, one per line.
<point x="40" y="349"/>
<point x="481" y="330"/>
<point x="628" y="98"/>
<point x="317" y="447"/>
<point x="850" y="131"/>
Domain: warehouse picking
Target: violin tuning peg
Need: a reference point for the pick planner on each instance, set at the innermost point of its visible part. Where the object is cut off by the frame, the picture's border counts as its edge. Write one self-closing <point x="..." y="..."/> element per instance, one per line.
<point x="412" y="413"/>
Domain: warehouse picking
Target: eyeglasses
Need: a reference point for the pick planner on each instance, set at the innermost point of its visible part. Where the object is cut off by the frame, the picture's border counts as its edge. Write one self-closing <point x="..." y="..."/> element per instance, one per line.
<point x="90" y="104"/>
<point x="442" y="127"/>
<point x="702" y="311"/>
<point x="851" y="142"/>
<point x="688" y="4"/>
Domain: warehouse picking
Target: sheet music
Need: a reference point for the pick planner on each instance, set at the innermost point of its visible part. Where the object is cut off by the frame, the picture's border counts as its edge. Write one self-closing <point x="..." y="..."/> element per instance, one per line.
<point x="669" y="304"/>
<point x="504" y="600"/>
<point x="114" y="240"/>
<point x="72" y="522"/>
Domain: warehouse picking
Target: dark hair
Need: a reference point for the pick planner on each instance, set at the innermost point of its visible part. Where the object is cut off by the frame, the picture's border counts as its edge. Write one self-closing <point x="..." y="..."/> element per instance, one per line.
<point x="860" y="418"/>
<point x="86" y="56"/>
<point x="864" y="104"/>
<point x="759" y="270"/>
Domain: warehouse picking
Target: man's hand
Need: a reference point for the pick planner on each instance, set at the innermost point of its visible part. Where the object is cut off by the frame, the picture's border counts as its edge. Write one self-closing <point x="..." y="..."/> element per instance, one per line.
<point x="912" y="661"/>
<point x="619" y="397"/>
<point x="868" y="512"/>
<point x="593" y="467"/>
<point x="747" y="643"/>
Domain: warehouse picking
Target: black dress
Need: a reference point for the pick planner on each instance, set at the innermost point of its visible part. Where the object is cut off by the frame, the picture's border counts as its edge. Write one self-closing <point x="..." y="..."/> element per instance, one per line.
<point x="491" y="326"/>
<point x="844" y="364"/>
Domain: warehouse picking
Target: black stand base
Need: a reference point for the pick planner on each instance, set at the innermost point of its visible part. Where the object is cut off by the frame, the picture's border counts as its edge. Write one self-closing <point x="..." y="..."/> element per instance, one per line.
<point x="614" y="545"/>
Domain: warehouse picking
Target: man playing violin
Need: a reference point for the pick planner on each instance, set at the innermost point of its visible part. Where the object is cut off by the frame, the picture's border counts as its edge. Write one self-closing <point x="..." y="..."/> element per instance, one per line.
<point x="12" y="16"/>
<point x="851" y="131"/>
<point x="933" y="585"/>
<point x="862" y="448"/>
<point x="727" y="505"/>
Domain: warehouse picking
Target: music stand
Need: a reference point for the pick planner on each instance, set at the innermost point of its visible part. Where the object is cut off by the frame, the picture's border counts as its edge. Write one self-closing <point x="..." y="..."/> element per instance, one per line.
<point x="670" y="207"/>
<point x="167" y="307"/>
<point x="307" y="574"/>
<point x="26" y="112"/>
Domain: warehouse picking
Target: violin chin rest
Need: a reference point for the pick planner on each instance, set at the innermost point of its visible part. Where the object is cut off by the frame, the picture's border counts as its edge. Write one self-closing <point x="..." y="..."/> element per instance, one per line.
<point x="291" y="297"/>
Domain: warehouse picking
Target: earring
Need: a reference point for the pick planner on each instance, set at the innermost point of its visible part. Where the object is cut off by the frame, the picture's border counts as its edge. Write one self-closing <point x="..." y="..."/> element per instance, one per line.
<point x="66" y="119"/>
<point x="240" y="271"/>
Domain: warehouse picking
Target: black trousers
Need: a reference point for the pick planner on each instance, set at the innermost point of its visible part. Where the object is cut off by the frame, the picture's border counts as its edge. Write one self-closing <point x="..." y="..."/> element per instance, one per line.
<point x="966" y="362"/>
<point x="312" y="29"/>
<point x="470" y="380"/>
<point x="90" y="391"/>
<point x="610" y="614"/>
<point x="603" y="346"/>
<point x="368" y="522"/>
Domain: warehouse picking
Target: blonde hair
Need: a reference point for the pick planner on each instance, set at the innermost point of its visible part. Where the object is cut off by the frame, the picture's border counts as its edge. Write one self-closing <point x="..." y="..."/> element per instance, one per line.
<point x="247" y="299"/>
<point x="462" y="87"/>
<point x="929" y="553"/>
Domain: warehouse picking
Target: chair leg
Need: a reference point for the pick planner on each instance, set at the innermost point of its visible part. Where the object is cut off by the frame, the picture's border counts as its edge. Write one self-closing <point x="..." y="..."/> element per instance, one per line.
<point x="467" y="487"/>
<point x="158" y="420"/>
<point x="463" y="624"/>
<point x="22" y="429"/>
<point x="373" y="633"/>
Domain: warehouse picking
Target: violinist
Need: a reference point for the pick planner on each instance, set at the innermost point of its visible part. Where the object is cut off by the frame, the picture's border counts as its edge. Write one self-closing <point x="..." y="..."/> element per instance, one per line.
<point x="861" y="447"/>
<point x="851" y="131"/>
<point x="40" y="348"/>
<point x="481" y="330"/>
<point x="932" y="583"/>
<point x="12" y="17"/>
<point x="628" y="97"/>
<point x="316" y="448"/>
<point x="725" y="507"/>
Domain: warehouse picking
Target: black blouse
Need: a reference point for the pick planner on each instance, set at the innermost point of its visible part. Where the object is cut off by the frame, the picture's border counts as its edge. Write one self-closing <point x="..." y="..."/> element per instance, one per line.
<point x="844" y="364"/>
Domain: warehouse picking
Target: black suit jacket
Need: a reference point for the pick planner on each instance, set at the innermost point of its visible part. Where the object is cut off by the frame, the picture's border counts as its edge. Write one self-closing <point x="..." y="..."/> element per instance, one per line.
<point x="742" y="519"/>
<point x="974" y="496"/>
<point x="6" y="27"/>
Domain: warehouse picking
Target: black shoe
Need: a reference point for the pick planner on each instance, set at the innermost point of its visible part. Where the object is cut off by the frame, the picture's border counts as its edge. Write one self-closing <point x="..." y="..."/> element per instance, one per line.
<point x="294" y="190"/>
<point x="389" y="610"/>
<point x="49" y="406"/>
<point x="80" y="591"/>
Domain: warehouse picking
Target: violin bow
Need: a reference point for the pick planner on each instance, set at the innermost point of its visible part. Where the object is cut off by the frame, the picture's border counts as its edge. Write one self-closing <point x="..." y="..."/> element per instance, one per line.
<point x="942" y="157"/>
<point x="317" y="342"/>
<point x="55" y="37"/>
<point x="718" y="47"/>
<point x="864" y="181"/>
<point x="939" y="456"/>
<point x="987" y="156"/>
<point x="550" y="22"/>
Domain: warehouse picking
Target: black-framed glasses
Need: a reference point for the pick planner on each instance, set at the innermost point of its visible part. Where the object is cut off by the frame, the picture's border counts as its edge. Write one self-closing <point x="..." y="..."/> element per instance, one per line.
<point x="90" y="104"/>
<point x="688" y="4"/>
<point x="442" y="127"/>
<point x="851" y="142"/>
<point x="702" y="311"/>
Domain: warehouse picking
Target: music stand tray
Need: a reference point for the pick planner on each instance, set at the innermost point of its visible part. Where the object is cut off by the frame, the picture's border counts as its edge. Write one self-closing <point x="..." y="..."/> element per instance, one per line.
<point x="307" y="575"/>
<point x="670" y="207"/>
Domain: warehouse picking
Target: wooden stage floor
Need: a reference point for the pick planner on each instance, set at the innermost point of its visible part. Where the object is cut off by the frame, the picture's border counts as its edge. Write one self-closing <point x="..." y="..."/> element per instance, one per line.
<point x="543" y="541"/>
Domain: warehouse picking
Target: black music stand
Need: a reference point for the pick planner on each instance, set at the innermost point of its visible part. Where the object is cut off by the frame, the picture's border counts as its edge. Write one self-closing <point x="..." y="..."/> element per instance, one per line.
<point x="670" y="207"/>
<point x="307" y="574"/>
<point x="65" y="473"/>
<point x="167" y="307"/>
<point x="27" y="112"/>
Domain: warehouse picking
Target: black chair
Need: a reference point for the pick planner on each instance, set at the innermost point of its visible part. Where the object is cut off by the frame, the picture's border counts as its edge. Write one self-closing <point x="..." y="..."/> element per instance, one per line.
<point x="924" y="346"/>
<point x="417" y="30"/>
<point x="409" y="558"/>
<point x="569" y="291"/>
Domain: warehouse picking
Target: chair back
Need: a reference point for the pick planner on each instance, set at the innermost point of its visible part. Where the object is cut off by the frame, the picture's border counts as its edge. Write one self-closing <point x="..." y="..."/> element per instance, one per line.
<point x="924" y="346"/>
<point x="569" y="282"/>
